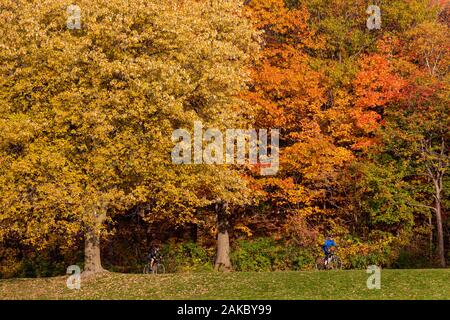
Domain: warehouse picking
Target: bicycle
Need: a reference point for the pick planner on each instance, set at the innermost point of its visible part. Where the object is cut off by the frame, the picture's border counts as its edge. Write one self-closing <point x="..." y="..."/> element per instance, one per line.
<point x="157" y="267"/>
<point x="333" y="263"/>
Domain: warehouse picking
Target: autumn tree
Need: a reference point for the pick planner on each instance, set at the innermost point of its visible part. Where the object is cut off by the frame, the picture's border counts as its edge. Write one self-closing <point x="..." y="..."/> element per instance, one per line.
<point x="290" y="90"/>
<point x="409" y="130"/>
<point x="89" y="97"/>
<point x="329" y="82"/>
<point x="416" y="130"/>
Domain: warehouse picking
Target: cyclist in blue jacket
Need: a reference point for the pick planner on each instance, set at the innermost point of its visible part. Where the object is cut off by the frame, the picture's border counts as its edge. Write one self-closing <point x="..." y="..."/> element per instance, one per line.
<point x="328" y="246"/>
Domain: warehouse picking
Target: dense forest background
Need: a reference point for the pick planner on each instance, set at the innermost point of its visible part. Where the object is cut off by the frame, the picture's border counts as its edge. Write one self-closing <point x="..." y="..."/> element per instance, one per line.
<point x="87" y="114"/>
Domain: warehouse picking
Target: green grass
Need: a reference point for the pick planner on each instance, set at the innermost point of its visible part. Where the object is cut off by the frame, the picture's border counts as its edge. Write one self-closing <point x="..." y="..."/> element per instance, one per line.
<point x="351" y="284"/>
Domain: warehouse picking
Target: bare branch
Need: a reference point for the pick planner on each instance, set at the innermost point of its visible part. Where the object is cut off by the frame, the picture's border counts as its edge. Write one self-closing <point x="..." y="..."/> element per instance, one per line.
<point x="422" y="206"/>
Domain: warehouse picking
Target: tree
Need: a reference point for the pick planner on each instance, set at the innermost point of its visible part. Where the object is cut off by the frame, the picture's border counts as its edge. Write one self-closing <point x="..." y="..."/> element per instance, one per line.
<point x="330" y="83"/>
<point x="417" y="132"/>
<point x="415" y="128"/>
<point x="87" y="113"/>
<point x="291" y="91"/>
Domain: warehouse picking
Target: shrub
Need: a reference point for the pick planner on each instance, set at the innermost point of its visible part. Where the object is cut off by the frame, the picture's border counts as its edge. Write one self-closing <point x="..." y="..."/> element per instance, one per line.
<point x="408" y="260"/>
<point x="28" y="263"/>
<point x="359" y="255"/>
<point x="10" y="263"/>
<point x="187" y="257"/>
<point x="266" y="254"/>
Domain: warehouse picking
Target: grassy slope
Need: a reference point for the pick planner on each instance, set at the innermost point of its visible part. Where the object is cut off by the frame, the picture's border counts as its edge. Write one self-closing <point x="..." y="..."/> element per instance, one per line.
<point x="395" y="284"/>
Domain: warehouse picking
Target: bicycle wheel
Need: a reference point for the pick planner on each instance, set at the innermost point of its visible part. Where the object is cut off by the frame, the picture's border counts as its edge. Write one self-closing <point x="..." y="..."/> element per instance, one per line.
<point x="146" y="269"/>
<point x="159" y="269"/>
<point x="320" y="264"/>
<point x="336" y="263"/>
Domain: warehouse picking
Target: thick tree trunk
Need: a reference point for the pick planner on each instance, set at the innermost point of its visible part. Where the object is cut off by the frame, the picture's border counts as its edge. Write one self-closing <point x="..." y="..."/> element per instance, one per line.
<point x="222" y="262"/>
<point x="92" y="257"/>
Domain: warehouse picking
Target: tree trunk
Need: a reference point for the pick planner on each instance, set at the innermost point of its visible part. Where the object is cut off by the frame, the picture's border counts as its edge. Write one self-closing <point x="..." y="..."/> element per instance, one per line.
<point x="436" y="172"/>
<point x="440" y="233"/>
<point x="222" y="262"/>
<point x="92" y="257"/>
<point x="193" y="232"/>
<point x="430" y="221"/>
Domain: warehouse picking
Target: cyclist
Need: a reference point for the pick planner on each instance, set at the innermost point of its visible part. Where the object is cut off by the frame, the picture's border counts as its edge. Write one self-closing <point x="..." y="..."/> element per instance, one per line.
<point x="153" y="255"/>
<point x="328" y="247"/>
